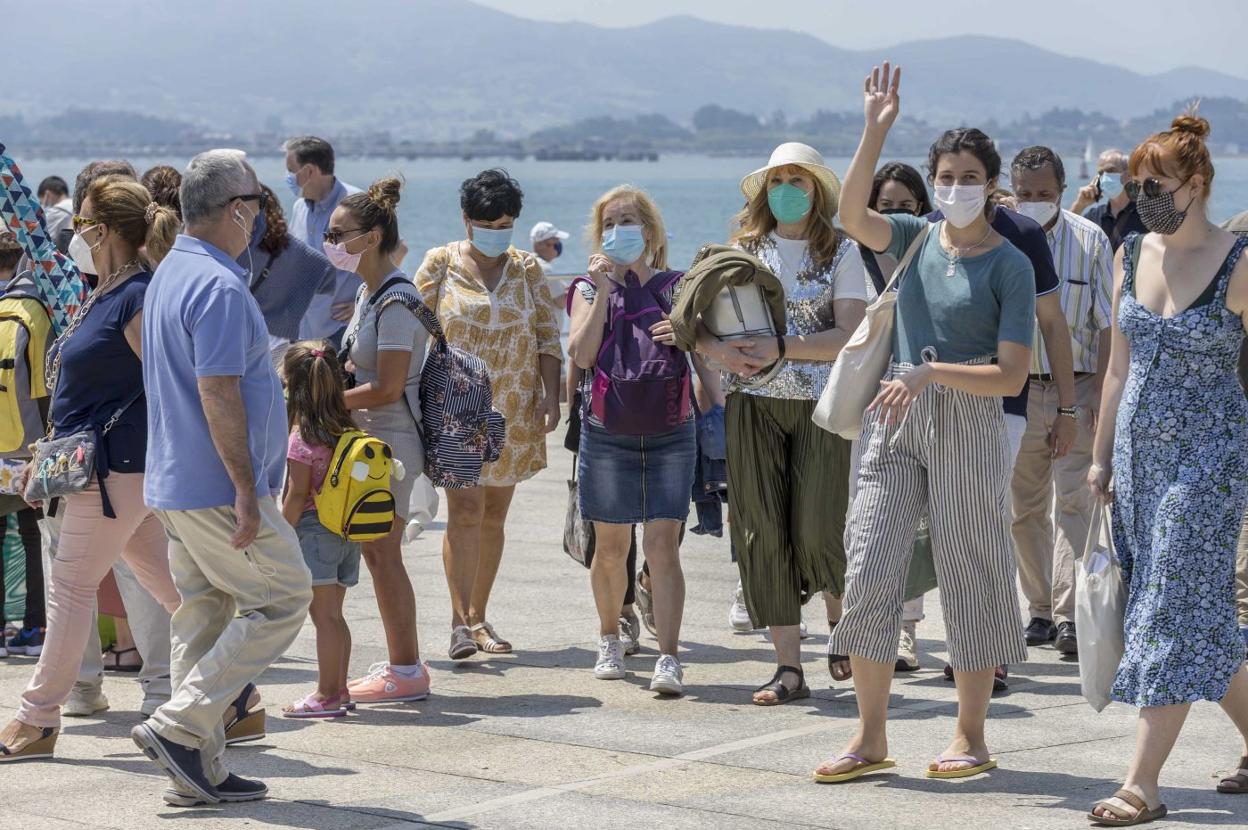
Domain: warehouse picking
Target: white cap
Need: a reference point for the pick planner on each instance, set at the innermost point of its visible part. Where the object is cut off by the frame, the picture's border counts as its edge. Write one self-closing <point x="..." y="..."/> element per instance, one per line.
<point x="545" y="230"/>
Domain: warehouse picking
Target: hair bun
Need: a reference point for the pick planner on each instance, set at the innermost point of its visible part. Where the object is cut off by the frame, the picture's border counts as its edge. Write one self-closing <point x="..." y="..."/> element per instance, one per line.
<point x="1191" y="124"/>
<point x="384" y="193"/>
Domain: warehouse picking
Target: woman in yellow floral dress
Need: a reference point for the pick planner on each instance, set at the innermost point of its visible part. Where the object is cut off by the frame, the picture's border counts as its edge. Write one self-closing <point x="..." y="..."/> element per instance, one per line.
<point x="493" y="302"/>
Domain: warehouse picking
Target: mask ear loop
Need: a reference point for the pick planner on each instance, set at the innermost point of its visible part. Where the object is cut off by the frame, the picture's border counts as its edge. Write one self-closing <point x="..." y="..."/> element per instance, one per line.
<point x="251" y="265"/>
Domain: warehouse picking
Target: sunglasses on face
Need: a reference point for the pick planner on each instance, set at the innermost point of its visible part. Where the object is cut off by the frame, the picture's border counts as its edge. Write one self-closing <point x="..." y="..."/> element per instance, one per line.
<point x="1152" y="188"/>
<point x="80" y="222"/>
<point x="334" y="237"/>
<point x="261" y="199"/>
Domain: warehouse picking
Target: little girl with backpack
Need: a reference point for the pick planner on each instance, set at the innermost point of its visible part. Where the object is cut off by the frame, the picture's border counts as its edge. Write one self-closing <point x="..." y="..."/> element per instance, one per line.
<point x="318" y="416"/>
<point x="637" y="447"/>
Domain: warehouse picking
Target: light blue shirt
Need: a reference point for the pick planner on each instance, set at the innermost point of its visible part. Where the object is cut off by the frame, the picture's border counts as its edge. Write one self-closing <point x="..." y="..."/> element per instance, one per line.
<point x="199" y="320"/>
<point x="308" y="222"/>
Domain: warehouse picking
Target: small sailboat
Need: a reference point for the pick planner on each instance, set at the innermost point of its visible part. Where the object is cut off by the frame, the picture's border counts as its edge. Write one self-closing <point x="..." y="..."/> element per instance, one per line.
<point x="1089" y="156"/>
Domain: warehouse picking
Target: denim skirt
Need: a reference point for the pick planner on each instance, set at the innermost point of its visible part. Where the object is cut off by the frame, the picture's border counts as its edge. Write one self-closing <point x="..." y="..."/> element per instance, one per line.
<point x="634" y="479"/>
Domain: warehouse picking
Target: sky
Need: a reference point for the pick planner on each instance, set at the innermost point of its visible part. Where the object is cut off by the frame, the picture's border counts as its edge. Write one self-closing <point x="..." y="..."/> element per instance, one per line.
<point x="1147" y="36"/>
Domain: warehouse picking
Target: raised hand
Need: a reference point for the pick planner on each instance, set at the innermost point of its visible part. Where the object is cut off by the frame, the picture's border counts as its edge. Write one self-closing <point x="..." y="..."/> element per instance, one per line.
<point x="881" y="103"/>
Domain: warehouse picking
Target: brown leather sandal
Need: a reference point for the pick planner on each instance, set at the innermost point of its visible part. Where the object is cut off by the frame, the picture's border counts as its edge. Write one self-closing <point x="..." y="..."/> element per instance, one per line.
<point x="1237" y="782"/>
<point x="1121" y="818"/>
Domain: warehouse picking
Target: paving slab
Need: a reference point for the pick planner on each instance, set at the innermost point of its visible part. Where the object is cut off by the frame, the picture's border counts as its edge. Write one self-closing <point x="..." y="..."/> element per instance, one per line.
<point x="532" y="740"/>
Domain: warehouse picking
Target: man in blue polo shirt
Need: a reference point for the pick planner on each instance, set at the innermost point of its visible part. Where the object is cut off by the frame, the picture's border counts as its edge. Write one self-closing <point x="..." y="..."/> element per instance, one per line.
<point x="310" y="176"/>
<point x="215" y="461"/>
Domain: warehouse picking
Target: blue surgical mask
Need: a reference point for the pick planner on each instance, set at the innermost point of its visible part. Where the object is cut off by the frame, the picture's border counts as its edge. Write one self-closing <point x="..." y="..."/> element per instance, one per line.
<point x="491" y="242"/>
<point x="558" y="249"/>
<point x="1111" y="185"/>
<point x="623" y="244"/>
<point x="292" y="181"/>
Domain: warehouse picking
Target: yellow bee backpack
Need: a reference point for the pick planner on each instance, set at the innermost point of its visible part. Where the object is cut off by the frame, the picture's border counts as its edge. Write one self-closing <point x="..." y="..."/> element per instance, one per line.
<point x="356" y="501"/>
<point x="19" y="312"/>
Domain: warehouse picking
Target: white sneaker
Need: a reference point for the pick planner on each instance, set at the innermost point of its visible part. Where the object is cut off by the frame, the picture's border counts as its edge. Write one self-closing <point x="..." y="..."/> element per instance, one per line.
<point x="630" y="635"/>
<point x="802" y="631"/>
<point x="738" y="616"/>
<point x="668" y="676"/>
<point x="83" y="703"/>
<point x="907" y="651"/>
<point x="610" y="665"/>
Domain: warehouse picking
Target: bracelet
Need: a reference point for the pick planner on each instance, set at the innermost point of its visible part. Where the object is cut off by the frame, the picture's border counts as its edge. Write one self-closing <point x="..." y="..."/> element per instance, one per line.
<point x="1069" y="412"/>
<point x="781" y="346"/>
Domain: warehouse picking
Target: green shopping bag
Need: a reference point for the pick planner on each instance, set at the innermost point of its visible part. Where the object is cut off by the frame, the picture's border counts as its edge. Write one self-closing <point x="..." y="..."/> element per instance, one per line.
<point x="922" y="575"/>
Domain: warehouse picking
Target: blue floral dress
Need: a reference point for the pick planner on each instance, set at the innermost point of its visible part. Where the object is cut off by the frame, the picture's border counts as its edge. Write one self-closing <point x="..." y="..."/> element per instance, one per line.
<point x="1180" y="459"/>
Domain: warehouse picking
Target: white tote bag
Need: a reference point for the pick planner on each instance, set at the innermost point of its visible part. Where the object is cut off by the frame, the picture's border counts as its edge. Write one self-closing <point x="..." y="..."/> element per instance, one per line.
<point x="1100" y="604"/>
<point x="858" y="370"/>
<point x="422" y="509"/>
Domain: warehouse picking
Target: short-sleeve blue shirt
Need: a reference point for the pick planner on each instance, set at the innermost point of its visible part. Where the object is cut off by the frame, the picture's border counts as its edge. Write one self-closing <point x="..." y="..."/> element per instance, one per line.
<point x="200" y="320"/>
<point x="991" y="297"/>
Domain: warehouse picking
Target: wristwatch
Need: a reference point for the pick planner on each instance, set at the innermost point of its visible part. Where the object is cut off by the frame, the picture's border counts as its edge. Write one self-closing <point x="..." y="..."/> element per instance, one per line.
<point x="1071" y="412"/>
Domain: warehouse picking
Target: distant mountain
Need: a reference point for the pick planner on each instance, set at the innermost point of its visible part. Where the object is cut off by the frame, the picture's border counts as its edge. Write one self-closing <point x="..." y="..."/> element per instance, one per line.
<point x="443" y="68"/>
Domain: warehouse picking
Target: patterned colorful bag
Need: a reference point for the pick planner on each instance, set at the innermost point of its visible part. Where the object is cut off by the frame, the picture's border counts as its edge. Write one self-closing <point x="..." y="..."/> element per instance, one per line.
<point x="61" y="287"/>
<point x="460" y="429"/>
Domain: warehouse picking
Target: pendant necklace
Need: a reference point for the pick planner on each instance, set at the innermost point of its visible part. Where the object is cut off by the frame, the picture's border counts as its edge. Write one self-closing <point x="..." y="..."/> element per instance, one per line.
<point x="957" y="253"/>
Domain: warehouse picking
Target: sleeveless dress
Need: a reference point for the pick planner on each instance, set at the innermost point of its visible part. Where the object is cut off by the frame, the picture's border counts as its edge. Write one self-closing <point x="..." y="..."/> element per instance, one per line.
<point x="1180" y="459"/>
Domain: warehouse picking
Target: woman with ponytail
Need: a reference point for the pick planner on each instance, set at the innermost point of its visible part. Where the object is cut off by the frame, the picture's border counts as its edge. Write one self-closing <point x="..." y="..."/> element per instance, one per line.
<point x="385" y="349"/>
<point x="95" y="379"/>
<point x="1172" y="435"/>
<point x="318" y="416"/>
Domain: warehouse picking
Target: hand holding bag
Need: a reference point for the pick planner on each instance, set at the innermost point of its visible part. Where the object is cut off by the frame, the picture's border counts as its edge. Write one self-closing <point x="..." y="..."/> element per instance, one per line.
<point x="856" y="374"/>
<point x="1100" y="607"/>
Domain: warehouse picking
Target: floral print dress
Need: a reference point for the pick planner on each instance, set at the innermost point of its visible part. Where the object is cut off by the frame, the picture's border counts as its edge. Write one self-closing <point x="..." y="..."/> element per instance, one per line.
<point x="508" y="329"/>
<point x="1180" y="449"/>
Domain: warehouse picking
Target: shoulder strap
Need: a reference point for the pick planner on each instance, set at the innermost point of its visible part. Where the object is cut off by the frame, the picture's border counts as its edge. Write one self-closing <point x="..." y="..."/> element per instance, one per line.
<point x="904" y="263"/>
<point x="264" y="274"/>
<point x="1228" y="266"/>
<point x="1131" y="261"/>
<point x="426" y="317"/>
<point x="121" y="410"/>
<point x="572" y="287"/>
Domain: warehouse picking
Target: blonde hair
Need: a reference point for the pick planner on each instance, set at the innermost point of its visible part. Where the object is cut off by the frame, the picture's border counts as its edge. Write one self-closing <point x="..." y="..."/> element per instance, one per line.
<point x="126" y="207"/>
<point x="651" y="220"/>
<point x="755" y="221"/>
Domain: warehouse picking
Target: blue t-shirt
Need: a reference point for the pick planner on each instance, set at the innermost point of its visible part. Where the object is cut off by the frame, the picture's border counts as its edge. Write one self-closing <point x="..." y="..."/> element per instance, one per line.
<point x="1029" y="237"/>
<point x="201" y="321"/>
<point x="100" y="373"/>
<point x="991" y="297"/>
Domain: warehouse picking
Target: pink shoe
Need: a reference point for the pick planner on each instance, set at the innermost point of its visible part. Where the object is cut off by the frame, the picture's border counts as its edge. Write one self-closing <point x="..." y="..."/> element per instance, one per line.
<point x="384" y="685"/>
<point x="312" y="707"/>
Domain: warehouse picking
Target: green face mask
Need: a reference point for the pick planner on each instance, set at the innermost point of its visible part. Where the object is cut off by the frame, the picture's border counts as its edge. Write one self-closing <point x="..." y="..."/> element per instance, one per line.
<point x="788" y="203"/>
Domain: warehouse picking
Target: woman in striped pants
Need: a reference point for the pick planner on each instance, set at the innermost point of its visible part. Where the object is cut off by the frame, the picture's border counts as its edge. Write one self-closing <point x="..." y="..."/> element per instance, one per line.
<point x="934" y="439"/>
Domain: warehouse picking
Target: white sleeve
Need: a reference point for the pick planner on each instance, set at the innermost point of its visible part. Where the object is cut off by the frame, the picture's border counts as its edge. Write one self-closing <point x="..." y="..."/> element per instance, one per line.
<point x="850" y="280"/>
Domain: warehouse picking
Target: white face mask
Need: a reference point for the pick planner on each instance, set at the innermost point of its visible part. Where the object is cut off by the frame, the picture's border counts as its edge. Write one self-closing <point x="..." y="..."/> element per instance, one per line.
<point x="1042" y="212"/>
<point x="80" y="253"/>
<point x="961" y="203"/>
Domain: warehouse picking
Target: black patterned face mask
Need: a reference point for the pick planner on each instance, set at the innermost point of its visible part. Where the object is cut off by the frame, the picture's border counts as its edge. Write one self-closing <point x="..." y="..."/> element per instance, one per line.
<point x="1157" y="211"/>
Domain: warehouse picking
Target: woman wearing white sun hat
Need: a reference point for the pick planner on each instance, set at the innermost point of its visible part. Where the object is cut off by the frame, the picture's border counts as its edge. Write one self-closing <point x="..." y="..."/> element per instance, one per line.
<point x="788" y="479"/>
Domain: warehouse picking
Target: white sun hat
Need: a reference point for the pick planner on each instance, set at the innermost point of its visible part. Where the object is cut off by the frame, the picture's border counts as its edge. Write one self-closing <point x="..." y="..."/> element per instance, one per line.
<point x="546" y="230"/>
<point x="803" y="155"/>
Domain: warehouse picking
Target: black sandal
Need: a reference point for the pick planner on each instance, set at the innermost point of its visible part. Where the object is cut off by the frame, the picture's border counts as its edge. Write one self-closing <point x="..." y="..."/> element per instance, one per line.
<point x="782" y="692"/>
<point x="835" y="659"/>
<point x="116" y="664"/>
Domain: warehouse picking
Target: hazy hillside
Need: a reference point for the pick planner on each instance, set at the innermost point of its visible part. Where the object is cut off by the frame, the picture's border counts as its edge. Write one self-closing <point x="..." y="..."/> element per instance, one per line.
<point x="435" y="68"/>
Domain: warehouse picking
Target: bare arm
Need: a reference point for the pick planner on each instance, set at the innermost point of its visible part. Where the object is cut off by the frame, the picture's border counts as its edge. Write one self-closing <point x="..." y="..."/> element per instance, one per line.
<point x="548" y="414"/>
<point x="134" y="334"/>
<point x="710" y="387"/>
<point x="881" y="106"/>
<point x="587" y="322"/>
<point x="392" y="369"/>
<point x="222" y="399"/>
<point x="1116" y="373"/>
<point x="298" y="487"/>
<point x="1000" y="379"/>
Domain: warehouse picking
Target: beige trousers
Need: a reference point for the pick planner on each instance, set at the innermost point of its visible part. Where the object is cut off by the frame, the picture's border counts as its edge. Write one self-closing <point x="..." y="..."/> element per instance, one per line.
<point x="1241" y="575"/>
<point x="1046" y="560"/>
<point x="240" y="610"/>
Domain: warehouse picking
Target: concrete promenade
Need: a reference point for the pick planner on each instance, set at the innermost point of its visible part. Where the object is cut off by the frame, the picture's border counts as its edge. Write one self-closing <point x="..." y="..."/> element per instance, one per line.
<point x="532" y="740"/>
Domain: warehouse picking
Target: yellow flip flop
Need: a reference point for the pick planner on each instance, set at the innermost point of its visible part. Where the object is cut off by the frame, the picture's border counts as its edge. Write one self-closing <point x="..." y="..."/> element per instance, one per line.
<point x="861" y="767"/>
<point x="976" y="769"/>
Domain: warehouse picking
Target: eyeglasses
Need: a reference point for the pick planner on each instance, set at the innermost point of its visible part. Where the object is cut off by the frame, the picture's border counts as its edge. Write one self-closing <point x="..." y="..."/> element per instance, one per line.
<point x="262" y="199"/>
<point x="334" y="237"/>
<point x="1152" y="188"/>
<point x="80" y="222"/>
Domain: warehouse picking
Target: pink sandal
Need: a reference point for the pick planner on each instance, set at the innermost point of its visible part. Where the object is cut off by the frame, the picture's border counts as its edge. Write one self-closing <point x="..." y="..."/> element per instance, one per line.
<point x="345" y="697"/>
<point x="311" y="707"/>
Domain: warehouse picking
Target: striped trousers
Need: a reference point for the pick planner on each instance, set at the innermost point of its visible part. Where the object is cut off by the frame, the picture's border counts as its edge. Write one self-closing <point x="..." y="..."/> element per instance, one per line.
<point x="948" y="457"/>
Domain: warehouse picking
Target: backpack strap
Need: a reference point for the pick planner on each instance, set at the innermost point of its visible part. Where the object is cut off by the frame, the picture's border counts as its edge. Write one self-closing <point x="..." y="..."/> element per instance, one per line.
<point x="571" y="286"/>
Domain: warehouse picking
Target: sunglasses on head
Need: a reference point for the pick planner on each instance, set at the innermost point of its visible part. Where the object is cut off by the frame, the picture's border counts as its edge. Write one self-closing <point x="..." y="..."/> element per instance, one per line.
<point x="1152" y="188"/>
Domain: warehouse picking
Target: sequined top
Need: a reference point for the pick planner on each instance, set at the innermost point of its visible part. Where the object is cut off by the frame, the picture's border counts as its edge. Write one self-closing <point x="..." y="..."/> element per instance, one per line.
<point x="808" y="307"/>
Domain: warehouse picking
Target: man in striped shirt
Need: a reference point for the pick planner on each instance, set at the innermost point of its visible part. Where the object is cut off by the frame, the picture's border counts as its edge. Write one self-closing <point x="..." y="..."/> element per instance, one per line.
<point x="1084" y="261"/>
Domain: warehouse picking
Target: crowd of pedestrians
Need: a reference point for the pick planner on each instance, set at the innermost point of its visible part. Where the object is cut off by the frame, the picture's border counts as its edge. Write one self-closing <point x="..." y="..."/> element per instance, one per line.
<point x="1040" y="359"/>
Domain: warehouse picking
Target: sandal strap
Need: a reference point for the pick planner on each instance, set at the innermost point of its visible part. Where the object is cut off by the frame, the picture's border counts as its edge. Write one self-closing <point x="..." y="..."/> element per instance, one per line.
<point x="959" y="759"/>
<point x="1132" y="799"/>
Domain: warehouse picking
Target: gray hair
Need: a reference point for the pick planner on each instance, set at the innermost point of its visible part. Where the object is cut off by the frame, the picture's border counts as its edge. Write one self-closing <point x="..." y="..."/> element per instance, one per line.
<point x="1112" y="159"/>
<point x="211" y="180"/>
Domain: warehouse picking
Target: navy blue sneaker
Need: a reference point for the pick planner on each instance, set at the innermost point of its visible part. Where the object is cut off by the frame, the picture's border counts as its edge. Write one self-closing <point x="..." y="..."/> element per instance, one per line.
<point x="181" y="763"/>
<point x="232" y="789"/>
<point x="29" y="641"/>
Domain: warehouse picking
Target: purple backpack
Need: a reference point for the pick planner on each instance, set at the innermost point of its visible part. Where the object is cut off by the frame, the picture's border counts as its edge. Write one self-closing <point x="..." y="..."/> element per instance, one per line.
<point x="640" y="387"/>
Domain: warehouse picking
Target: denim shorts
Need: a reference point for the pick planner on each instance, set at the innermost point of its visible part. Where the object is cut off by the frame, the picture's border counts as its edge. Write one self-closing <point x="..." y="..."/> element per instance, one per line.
<point x="632" y="479"/>
<point x="332" y="559"/>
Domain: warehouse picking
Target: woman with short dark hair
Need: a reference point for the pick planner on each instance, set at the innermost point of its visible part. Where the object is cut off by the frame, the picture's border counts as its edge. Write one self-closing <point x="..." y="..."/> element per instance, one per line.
<point x="493" y="302"/>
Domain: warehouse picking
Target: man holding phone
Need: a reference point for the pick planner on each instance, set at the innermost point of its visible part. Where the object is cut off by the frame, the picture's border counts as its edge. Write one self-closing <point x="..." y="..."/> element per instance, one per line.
<point x="1116" y="214"/>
